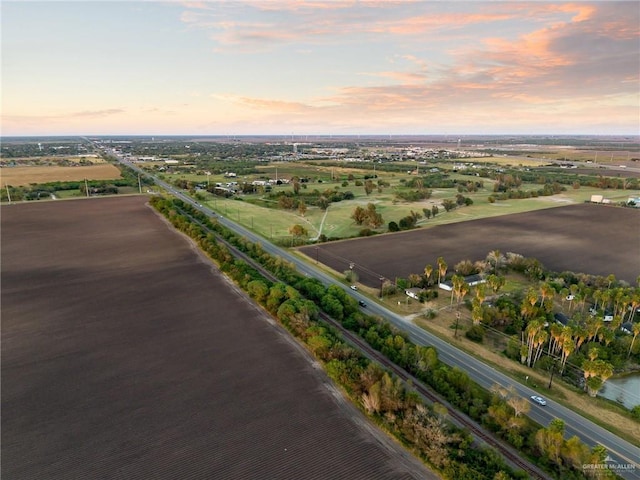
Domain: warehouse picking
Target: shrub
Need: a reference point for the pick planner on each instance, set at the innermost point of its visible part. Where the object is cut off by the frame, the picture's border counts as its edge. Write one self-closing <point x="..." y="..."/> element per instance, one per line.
<point x="475" y="334"/>
<point x="430" y="314"/>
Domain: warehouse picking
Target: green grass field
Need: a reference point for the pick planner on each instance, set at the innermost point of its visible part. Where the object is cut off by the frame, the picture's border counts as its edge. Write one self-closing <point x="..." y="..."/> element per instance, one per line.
<point x="336" y="222"/>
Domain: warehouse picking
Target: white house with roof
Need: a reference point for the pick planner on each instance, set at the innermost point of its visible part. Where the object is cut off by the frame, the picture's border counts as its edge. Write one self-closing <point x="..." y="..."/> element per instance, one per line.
<point x="471" y="280"/>
<point x="413" y="292"/>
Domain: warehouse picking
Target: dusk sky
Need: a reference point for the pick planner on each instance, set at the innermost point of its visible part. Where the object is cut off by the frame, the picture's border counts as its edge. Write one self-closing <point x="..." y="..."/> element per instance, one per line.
<point x="320" y="67"/>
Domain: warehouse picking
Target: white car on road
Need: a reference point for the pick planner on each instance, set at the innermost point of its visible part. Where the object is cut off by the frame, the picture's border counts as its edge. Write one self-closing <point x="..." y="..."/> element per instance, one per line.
<point x="539" y="400"/>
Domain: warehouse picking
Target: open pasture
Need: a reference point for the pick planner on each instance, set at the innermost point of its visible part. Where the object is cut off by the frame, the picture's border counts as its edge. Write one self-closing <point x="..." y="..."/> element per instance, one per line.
<point x="21" y="176"/>
<point x="126" y="354"/>
<point x="588" y="238"/>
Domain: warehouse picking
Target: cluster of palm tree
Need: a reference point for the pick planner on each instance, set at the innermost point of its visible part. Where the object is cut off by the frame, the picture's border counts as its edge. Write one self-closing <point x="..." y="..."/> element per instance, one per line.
<point x="617" y="301"/>
<point x="595" y="372"/>
<point x="597" y="307"/>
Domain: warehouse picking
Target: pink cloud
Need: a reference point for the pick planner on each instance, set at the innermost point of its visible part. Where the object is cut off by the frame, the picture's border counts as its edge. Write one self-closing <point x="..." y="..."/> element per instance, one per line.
<point x="572" y="54"/>
<point x="402" y="77"/>
<point x="272" y="105"/>
<point x="326" y="21"/>
<point x="81" y="114"/>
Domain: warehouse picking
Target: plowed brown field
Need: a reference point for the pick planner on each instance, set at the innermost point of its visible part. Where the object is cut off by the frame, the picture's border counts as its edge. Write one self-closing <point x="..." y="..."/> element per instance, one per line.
<point x="589" y="238"/>
<point x="126" y="355"/>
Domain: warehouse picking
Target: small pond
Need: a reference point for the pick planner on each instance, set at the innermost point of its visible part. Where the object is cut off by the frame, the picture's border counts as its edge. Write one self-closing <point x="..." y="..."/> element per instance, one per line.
<point x="624" y="390"/>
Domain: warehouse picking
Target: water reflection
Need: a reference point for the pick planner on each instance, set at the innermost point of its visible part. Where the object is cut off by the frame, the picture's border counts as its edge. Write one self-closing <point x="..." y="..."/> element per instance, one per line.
<point x="624" y="390"/>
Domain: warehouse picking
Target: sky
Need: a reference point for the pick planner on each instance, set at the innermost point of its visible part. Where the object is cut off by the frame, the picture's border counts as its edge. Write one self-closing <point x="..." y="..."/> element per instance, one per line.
<point x="281" y="67"/>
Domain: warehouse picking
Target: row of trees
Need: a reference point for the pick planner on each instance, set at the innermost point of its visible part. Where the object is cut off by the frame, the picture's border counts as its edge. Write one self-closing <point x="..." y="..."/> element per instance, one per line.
<point x="296" y="301"/>
<point x="547" y="190"/>
<point x="512" y="179"/>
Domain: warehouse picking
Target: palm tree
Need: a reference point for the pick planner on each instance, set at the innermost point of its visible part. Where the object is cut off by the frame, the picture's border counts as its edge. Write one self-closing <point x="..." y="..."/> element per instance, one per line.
<point x="580" y="335"/>
<point x="573" y="289"/>
<point x="585" y="293"/>
<point x="528" y="307"/>
<point x="495" y="259"/>
<point x="457" y="281"/>
<point x="567" y="345"/>
<point x="546" y="291"/>
<point x="442" y="269"/>
<point x="607" y="336"/>
<point x="587" y="371"/>
<point x="462" y="292"/>
<point x="477" y="312"/>
<point x="605" y="297"/>
<point x="495" y="282"/>
<point x="593" y="327"/>
<point x="605" y="370"/>
<point x="428" y="270"/>
<point x="635" y="304"/>
<point x="539" y="340"/>
<point x="564" y="293"/>
<point x="596" y="373"/>
<point x="532" y="333"/>
<point x="597" y="296"/>
<point x="636" y="332"/>
<point x="556" y="335"/>
<point x="480" y="292"/>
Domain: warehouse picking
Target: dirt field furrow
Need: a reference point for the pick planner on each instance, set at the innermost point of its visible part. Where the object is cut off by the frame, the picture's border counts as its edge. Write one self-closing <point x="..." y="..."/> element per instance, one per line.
<point x="124" y="356"/>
